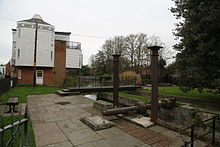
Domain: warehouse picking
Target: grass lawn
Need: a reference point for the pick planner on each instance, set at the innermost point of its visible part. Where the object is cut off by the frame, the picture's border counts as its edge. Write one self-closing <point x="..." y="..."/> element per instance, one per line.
<point x="174" y="90"/>
<point x="132" y="96"/>
<point x="87" y="77"/>
<point x="23" y="92"/>
<point x="7" y="134"/>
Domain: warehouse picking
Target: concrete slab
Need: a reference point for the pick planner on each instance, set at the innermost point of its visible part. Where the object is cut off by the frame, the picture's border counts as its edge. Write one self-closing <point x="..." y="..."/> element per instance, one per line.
<point x="69" y="126"/>
<point x="140" y="120"/>
<point x="122" y="141"/>
<point x="110" y="132"/>
<point x="48" y="133"/>
<point x="116" y="141"/>
<point x="89" y="144"/>
<point x="144" y="145"/>
<point x="53" y="117"/>
<point x="83" y="136"/>
<point x="97" y="122"/>
<point x="61" y="144"/>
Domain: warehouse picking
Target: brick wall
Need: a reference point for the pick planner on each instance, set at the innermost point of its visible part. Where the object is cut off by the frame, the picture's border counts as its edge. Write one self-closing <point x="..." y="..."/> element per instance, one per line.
<point x="59" y="70"/>
<point x="48" y="76"/>
<point x="27" y="75"/>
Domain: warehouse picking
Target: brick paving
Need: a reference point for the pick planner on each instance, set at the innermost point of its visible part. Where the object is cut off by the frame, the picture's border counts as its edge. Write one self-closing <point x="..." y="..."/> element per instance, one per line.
<point x="146" y="135"/>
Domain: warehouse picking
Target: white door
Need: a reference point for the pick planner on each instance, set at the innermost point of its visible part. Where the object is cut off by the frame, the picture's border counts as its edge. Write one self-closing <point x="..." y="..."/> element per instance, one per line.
<point x="39" y="76"/>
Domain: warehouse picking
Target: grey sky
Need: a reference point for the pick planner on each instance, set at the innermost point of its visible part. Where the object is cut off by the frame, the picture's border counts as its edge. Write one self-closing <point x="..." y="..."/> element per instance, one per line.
<point x="101" y="18"/>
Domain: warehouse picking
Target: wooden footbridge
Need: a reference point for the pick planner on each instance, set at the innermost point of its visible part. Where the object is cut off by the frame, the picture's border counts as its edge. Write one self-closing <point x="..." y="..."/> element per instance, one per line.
<point x="78" y="90"/>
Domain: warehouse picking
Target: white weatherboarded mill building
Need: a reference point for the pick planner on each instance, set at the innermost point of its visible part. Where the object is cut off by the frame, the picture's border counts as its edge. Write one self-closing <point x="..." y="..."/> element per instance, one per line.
<point x="54" y="53"/>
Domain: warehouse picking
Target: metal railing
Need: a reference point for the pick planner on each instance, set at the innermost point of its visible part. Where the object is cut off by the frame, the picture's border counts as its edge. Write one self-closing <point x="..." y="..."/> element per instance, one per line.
<point x="5" y="85"/>
<point x="8" y="132"/>
<point x="73" y="45"/>
<point x="93" y="81"/>
<point x="99" y="81"/>
<point x="194" y="137"/>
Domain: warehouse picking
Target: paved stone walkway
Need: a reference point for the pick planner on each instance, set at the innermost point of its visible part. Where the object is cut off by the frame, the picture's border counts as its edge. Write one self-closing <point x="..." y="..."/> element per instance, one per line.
<point x="57" y="125"/>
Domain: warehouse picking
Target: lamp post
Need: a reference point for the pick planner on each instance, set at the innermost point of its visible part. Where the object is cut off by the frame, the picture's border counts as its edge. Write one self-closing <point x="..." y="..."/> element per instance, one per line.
<point x="115" y="79"/>
<point x="154" y="82"/>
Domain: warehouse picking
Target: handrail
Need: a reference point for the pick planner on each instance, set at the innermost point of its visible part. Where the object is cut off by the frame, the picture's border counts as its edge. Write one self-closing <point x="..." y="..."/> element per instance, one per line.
<point x="14" y="124"/>
<point x="20" y="123"/>
<point x="193" y="137"/>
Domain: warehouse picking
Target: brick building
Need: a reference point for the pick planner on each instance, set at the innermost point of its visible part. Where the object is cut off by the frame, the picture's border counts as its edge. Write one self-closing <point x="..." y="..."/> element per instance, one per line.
<point x="54" y="53"/>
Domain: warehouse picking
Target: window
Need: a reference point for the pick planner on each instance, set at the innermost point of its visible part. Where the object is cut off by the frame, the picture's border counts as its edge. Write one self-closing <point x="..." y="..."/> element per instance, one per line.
<point x="39" y="74"/>
<point x="19" y="32"/>
<point x="51" y="55"/>
<point x="18" y="53"/>
<point x="14" y="44"/>
<point x="19" y="74"/>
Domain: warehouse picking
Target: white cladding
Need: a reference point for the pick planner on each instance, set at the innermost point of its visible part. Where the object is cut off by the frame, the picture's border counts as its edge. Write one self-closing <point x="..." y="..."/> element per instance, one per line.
<point x="13" y="57"/>
<point x="24" y="46"/>
<point x="45" y="48"/>
<point x="73" y="58"/>
<point x="25" y="43"/>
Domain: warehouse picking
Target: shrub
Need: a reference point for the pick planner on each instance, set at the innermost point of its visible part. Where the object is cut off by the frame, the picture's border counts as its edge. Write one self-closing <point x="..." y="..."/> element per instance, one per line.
<point x="129" y="78"/>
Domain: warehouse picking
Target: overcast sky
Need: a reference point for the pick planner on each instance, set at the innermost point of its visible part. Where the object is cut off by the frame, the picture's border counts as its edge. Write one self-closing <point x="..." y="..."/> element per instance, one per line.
<point x="91" y="22"/>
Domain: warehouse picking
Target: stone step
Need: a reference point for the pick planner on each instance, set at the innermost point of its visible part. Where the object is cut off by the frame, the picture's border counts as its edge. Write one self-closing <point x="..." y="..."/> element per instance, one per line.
<point x="63" y="93"/>
<point x="66" y="90"/>
<point x="102" y="105"/>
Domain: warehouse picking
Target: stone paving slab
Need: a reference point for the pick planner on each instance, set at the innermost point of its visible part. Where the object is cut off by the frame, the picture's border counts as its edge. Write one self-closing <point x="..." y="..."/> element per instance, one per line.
<point x="48" y="133"/>
<point x="124" y="140"/>
<point x="111" y="132"/>
<point x="83" y="136"/>
<point x="69" y="126"/>
<point x="61" y="144"/>
<point x="60" y="125"/>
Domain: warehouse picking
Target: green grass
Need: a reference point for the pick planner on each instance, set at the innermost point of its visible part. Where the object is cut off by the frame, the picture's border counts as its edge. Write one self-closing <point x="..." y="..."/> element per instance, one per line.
<point x="7" y="133"/>
<point x="175" y="91"/>
<point x="23" y="92"/>
<point x="85" y="77"/>
<point x="132" y="96"/>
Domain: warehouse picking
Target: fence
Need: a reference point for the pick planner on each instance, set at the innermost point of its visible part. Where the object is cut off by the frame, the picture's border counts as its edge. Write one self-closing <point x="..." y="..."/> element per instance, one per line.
<point x="6" y="84"/>
<point x="194" y="137"/>
<point x="16" y="133"/>
<point x="96" y="81"/>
